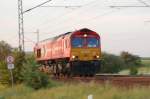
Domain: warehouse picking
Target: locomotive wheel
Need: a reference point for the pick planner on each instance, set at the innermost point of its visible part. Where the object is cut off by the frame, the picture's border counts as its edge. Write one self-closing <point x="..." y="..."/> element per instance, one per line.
<point x="65" y="69"/>
<point x="54" y="70"/>
<point x="57" y="71"/>
<point x="68" y="69"/>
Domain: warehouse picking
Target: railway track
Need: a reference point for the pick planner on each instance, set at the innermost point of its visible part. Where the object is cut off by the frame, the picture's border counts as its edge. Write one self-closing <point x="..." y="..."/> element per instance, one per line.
<point x="124" y="80"/>
<point x="117" y="80"/>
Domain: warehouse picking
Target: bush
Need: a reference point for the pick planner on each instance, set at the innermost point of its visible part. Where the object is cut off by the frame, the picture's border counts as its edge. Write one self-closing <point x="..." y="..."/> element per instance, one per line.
<point x="133" y="71"/>
<point x="111" y="63"/>
<point x="130" y="59"/>
<point x="33" y="77"/>
<point x="37" y="80"/>
<point x="19" y="61"/>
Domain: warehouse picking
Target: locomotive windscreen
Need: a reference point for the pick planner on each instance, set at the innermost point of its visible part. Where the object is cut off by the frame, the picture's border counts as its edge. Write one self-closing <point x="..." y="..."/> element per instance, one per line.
<point x="77" y="42"/>
<point x="92" y="42"/>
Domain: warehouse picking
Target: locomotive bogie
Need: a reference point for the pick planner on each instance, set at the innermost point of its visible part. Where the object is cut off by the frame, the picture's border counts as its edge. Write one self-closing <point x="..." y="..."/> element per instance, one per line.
<point x="85" y="68"/>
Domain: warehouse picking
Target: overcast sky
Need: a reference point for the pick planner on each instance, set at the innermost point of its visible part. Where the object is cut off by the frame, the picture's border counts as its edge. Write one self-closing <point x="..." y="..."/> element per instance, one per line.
<point x="121" y="29"/>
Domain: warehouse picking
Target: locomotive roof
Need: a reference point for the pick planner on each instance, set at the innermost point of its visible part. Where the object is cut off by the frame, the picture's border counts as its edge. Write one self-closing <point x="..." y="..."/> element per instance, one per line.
<point x="56" y="37"/>
<point x="62" y="35"/>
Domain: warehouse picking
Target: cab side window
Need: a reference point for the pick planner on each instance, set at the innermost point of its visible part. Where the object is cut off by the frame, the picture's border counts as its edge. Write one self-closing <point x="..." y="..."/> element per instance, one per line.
<point x="38" y="53"/>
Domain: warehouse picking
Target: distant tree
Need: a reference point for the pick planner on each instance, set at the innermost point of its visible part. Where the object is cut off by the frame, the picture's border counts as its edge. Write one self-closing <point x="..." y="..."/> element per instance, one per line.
<point x="111" y="63"/>
<point x="5" y="50"/>
<point x="130" y="59"/>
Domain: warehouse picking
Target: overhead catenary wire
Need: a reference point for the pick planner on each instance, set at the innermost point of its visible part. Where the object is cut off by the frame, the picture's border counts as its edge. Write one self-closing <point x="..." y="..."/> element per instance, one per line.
<point x="91" y="19"/>
<point x="58" y="22"/>
<point x="144" y="4"/>
<point x="50" y="21"/>
<point x="30" y="28"/>
<point x="36" y="6"/>
<point x="70" y="14"/>
<point x="94" y="18"/>
<point x="141" y="1"/>
<point x="59" y="17"/>
<point x="30" y="40"/>
<point x="82" y="21"/>
<point x="64" y="6"/>
<point x="129" y="6"/>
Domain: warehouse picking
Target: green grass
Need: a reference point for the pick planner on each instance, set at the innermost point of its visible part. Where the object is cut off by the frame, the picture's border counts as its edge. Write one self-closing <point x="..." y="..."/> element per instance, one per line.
<point x="143" y="69"/>
<point x="2" y="87"/>
<point x="76" y="91"/>
<point x="125" y="72"/>
<point x="146" y="62"/>
<point x="19" y="90"/>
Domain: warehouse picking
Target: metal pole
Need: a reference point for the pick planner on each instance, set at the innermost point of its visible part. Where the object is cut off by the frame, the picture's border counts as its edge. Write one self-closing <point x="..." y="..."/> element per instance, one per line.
<point x="21" y="25"/>
<point x="12" y="79"/>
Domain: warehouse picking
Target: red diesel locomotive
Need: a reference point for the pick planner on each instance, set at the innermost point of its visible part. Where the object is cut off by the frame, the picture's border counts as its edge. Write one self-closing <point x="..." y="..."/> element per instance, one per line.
<point x="72" y="53"/>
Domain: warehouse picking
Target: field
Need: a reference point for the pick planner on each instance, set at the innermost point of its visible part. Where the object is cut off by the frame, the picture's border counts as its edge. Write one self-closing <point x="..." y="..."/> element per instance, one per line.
<point x="144" y="69"/>
<point x="146" y="62"/>
<point x="75" y="91"/>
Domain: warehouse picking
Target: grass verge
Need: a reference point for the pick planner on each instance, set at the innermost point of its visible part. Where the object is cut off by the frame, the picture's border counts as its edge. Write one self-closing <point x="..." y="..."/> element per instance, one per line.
<point x="76" y="91"/>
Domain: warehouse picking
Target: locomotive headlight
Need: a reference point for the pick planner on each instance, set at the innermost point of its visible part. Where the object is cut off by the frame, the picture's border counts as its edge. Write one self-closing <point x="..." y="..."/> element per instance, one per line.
<point x="97" y="56"/>
<point x="85" y="35"/>
<point x="73" y="56"/>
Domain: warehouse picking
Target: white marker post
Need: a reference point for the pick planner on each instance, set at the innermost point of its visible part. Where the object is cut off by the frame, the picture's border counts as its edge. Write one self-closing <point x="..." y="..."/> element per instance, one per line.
<point x="90" y="96"/>
<point x="10" y="66"/>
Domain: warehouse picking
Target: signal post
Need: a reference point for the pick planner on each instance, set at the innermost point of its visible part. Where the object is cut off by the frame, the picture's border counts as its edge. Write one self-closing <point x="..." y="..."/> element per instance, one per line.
<point x="10" y="66"/>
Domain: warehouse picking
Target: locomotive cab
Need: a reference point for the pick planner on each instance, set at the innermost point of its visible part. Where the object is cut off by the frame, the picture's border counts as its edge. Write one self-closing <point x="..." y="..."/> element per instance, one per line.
<point x="85" y="52"/>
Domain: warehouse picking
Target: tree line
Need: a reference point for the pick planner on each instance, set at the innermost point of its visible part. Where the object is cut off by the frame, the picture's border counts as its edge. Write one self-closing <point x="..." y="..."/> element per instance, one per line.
<point x="113" y="64"/>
